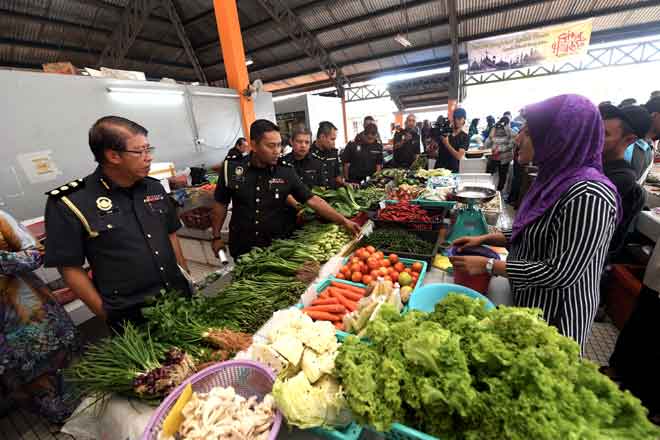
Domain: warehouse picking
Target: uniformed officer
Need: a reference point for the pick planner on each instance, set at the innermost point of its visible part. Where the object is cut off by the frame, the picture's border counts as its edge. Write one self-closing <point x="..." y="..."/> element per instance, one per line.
<point x="362" y="159"/>
<point x="307" y="164"/>
<point x="324" y="148"/>
<point x="406" y="144"/>
<point x="121" y="221"/>
<point x="240" y="149"/>
<point x="258" y="188"/>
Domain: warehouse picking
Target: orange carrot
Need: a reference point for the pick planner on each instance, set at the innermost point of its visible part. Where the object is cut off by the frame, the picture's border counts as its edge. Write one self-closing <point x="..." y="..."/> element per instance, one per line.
<point x="321" y="316"/>
<point x="339" y="325"/>
<point x="324" y="295"/>
<point x="324" y="302"/>
<point x="350" y="305"/>
<point x="348" y="294"/>
<point x="330" y="308"/>
<point x="355" y="289"/>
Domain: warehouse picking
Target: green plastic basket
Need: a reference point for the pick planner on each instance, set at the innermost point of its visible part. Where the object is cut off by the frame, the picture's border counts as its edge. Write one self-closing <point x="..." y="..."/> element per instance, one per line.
<point x="351" y="432"/>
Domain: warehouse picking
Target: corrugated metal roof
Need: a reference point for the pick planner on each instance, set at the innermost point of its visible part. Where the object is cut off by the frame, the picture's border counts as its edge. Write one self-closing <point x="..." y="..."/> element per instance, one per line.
<point x="158" y="47"/>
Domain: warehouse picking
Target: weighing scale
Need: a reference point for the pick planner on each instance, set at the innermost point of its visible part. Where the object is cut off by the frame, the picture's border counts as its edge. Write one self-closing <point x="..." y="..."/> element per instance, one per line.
<point x="470" y="221"/>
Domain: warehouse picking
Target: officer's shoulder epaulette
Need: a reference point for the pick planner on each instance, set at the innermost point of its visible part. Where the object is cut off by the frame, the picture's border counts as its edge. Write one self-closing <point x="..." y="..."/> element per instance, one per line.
<point x="316" y="155"/>
<point x="65" y="190"/>
<point x="152" y="179"/>
<point x="232" y="157"/>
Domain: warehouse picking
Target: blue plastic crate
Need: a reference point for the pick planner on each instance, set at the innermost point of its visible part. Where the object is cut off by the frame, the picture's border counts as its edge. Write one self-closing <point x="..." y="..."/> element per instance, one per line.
<point x="351" y="432"/>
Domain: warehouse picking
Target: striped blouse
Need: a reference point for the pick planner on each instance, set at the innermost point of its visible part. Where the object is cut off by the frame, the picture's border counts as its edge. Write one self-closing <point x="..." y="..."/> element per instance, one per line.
<point x="557" y="262"/>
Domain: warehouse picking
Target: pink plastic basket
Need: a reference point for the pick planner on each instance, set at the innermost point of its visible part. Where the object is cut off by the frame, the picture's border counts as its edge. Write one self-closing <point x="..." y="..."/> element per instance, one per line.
<point x="246" y="377"/>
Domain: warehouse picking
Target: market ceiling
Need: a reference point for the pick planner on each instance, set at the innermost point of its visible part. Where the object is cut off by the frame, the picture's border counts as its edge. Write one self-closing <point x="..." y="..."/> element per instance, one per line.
<point x="357" y="34"/>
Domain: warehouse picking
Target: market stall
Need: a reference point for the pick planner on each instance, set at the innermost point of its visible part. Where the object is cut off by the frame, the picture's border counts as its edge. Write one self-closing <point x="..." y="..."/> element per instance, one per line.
<point x="296" y="307"/>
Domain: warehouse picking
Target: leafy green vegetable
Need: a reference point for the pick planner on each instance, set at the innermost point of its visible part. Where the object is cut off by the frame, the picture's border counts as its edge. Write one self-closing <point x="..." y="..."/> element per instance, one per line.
<point x="398" y="240"/>
<point x="463" y="372"/>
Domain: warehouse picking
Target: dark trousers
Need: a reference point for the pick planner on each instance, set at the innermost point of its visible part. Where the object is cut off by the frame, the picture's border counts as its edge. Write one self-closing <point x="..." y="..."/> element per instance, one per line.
<point x="516" y="182"/>
<point x="636" y="357"/>
<point x="117" y="319"/>
<point x="502" y="171"/>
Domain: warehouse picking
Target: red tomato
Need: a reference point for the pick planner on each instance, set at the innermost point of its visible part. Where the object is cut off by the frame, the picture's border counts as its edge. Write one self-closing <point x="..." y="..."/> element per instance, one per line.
<point x="364" y="254"/>
<point x="355" y="267"/>
<point x="395" y="276"/>
<point x="388" y="278"/>
<point x="416" y="266"/>
<point x="374" y="274"/>
<point x="371" y="249"/>
<point x="373" y="263"/>
<point x="394" y="258"/>
<point x="365" y="269"/>
<point x="341" y="276"/>
<point x="382" y="272"/>
<point x="355" y="260"/>
<point x="390" y="270"/>
<point x="415" y="277"/>
<point x="399" y="267"/>
<point x="367" y="279"/>
<point x="407" y="270"/>
<point x="356" y="277"/>
<point x="386" y="263"/>
<point x="346" y="271"/>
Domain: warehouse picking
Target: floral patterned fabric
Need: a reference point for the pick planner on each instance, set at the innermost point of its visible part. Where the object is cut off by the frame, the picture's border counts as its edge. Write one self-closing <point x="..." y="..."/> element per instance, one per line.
<point x="37" y="337"/>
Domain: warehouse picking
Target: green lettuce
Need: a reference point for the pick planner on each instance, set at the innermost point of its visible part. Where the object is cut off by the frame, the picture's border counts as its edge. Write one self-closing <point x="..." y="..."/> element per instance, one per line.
<point x="463" y="372"/>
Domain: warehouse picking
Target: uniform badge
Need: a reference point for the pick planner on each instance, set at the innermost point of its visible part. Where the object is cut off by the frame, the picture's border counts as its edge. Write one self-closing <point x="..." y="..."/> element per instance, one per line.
<point x="104" y="204"/>
<point x="239" y="171"/>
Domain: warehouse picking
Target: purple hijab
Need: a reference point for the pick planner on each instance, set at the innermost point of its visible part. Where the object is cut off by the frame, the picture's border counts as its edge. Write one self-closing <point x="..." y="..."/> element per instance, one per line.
<point x="567" y="133"/>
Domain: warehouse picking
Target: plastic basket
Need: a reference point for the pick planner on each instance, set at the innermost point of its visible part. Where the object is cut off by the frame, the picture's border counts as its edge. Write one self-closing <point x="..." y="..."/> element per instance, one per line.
<point x="425" y="298"/>
<point x="406" y="262"/>
<point x="351" y="432"/>
<point x="248" y="379"/>
<point x="428" y="236"/>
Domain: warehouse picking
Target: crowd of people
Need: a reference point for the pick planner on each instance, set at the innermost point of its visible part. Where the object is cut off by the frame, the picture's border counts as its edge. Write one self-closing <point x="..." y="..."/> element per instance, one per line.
<point x="573" y="220"/>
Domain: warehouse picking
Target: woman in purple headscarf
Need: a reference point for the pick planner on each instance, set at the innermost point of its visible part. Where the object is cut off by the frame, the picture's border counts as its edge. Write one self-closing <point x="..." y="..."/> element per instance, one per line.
<point x="562" y="231"/>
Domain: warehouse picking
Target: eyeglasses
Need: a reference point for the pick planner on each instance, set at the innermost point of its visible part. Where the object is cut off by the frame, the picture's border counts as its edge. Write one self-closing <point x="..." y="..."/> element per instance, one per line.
<point x="149" y="151"/>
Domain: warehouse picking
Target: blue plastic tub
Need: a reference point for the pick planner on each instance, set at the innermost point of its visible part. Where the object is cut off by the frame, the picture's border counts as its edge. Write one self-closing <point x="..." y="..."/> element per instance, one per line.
<point x="425" y="298"/>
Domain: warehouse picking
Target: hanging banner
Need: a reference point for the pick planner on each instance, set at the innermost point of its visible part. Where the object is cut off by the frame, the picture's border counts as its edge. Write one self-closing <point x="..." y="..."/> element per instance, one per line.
<point x="541" y="46"/>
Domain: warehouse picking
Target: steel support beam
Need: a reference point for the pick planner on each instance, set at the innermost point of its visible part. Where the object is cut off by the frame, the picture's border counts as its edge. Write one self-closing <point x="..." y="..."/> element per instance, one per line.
<point x="290" y="23"/>
<point x="364" y="93"/>
<point x="122" y="38"/>
<point x="621" y="55"/>
<point x="454" y="71"/>
<point x="185" y="41"/>
<point x="511" y="8"/>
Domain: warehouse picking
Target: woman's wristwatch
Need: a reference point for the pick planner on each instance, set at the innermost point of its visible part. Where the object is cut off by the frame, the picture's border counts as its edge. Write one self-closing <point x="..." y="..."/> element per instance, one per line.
<point x="490" y="264"/>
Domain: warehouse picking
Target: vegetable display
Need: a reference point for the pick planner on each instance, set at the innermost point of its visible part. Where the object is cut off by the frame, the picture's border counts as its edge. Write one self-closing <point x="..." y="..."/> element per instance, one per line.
<point x="463" y="372"/>
<point x="302" y="352"/>
<point x="341" y="199"/>
<point x="131" y="364"/>
<point x="382" y="292"/>
<point x="367" y="264"/>
<point x="405" y="192"/>
<point x="334" y="302"/>
<point x="438" y="172"/>
<point x="221" y="413"/>
<point x="404" y="212"/>
<point x="398" y="240"/>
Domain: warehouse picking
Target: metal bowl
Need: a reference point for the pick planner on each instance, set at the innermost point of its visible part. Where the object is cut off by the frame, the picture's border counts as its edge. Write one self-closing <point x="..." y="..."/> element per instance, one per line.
<point x="474" y="194"/>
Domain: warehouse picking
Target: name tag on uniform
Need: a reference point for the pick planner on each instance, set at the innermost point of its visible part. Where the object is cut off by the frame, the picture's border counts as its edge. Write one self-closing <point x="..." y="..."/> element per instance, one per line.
<point x="154" y="198"/>
<point x="276" y="181"/>
<point x="330" y="158"/>
<point x="359" y="148"/>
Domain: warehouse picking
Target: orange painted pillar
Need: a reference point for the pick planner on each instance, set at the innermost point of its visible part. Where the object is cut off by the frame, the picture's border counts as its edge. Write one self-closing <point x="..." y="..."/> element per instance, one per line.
<point x="233" y="57"/>
<point x="343" y="112"/>
<point x="398" y="118"/>
<point x="451" y="106"/>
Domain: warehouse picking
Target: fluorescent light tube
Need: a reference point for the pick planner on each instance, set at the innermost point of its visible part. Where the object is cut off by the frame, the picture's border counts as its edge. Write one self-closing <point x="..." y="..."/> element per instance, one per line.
<point x="144" y="90"/>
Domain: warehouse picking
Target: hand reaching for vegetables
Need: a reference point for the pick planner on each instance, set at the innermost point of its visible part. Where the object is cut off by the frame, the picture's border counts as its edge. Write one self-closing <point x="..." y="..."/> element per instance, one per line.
<point x="472" y="265"/>
<point x="468" y="242"/>
<point x="352" y="227"/>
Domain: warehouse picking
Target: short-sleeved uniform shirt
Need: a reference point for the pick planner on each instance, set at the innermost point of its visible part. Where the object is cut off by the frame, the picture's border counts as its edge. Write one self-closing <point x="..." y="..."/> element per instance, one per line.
<point x="363" y="159"/>
<point x="331" y="168"/>
<point x="258" y="196"/>
<point x="309" y="168"/>
<point x="122" y="232"/>
<point x="404" y="156"/>
<point x="445" y="159"/>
